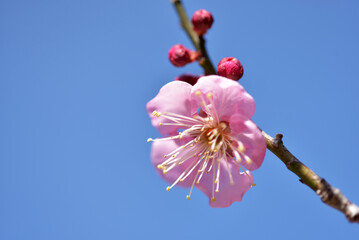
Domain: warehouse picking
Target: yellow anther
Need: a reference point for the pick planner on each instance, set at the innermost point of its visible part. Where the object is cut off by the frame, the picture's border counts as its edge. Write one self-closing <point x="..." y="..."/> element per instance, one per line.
<point x="253" y="184"/>
<point x="158" y="114"/>
<point x="248" y="160"/>
<point x="198" y="93"/>
<point x="197" y="182"/>
<point x="165" y="156"/>
<point x="241" y="148"/>
<point x="168" y="188"/>
<point x="181" y="180"/>
<point x="164" y="172"/>
<point x="191" y="145"/>
<point x="180" y="163"/>
<point x="199" y="170"/>
<point x="161" y="124"/>
<point x="209" y="95"/>
<point x="149" y="139"/>
<point x="154" y="113"/>
<point x="213" y="199"/>
<point x="223" y="125"/>
<point x="215" y="182"/>
<point x="188" y="197"/>
<point x="173" y="156"/>
<point x="217" y="190"/>
<point x="159" y="166"/>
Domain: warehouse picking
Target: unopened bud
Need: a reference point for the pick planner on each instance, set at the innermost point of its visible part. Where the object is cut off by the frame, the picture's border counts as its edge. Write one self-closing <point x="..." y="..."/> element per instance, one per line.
<point x="231" y="68"/>
<point x="179" y="55"/>
<point x="202" y="21"/>
<point x="188" y="78"/>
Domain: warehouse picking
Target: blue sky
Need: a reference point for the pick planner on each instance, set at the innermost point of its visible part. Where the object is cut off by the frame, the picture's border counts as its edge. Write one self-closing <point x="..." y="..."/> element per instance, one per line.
<point x="74" y="80"/>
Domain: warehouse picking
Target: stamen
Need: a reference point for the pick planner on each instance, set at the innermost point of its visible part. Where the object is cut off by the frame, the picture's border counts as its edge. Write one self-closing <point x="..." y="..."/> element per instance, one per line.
<point x="229" y="171"/>
<point x="217" y="178"/>
<point x="210" y="97"/>
<point x="210" y="142"/>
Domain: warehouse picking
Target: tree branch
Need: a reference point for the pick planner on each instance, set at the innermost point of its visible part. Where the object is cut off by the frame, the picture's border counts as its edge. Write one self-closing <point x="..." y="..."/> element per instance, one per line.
<point x="327" y="193"/>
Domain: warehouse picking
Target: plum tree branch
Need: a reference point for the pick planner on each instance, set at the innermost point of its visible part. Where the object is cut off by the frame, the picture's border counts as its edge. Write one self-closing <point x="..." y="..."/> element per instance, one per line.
<point x="327" y="193"/>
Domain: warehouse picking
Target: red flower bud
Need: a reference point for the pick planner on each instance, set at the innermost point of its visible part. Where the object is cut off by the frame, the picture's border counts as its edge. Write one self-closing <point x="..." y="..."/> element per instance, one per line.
<point x="179" y="55"/>
<point x="188" y="78"/>
<point x="202" y="21"/>
<point x="231" y="68"/>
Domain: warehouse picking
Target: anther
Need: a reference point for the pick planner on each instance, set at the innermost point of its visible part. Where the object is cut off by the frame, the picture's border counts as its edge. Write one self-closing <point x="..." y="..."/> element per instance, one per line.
<point x="198" y="93"/>
<point x="188" y="197"/>
<point x="213" y="199"/>
<point x="149" y="140"/>
<point x="159" y="166"/>
<point x="168" y="188"/>
<point x="253" y="184"/>
<point x="241" y="148"/>
<point x="209" y="95"/>
<point x="248" y="160"/>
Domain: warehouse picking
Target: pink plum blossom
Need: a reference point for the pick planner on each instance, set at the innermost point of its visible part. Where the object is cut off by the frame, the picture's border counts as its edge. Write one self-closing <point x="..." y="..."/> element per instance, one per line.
<point x="209" y="139"/>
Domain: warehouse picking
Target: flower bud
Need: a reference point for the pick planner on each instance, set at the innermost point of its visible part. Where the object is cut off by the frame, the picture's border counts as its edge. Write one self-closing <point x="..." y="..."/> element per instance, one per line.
<point x="202" y="21"/>
<point x="231" y="68"/>
<point x="179" y="55"/>
<point x="188" y="78"/>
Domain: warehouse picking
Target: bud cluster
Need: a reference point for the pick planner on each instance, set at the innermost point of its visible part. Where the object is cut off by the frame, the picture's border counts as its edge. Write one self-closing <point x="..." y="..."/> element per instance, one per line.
<point x="180" y="56"/>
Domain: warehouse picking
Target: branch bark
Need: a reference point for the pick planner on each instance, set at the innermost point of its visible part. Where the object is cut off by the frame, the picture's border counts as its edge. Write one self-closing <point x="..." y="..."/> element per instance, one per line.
<point x="327" y="193"/>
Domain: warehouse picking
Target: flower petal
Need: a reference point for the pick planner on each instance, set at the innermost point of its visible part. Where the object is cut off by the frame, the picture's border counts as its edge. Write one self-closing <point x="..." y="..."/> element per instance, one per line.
<point x="229" y="97"/>
<point x="162" y="148"/>
<point x="254" y="143"/>
<point x="228" y="193"/>
<point x="174" y="97"/>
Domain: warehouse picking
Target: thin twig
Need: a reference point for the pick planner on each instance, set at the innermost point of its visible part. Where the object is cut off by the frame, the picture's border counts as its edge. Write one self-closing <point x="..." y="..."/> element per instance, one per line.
<point x="327" y="193"/>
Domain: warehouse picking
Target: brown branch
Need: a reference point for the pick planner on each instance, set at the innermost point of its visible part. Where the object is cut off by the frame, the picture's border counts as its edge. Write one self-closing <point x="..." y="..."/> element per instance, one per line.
<point x="327" y="193"/>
